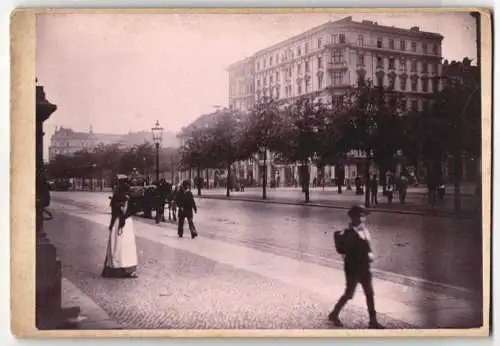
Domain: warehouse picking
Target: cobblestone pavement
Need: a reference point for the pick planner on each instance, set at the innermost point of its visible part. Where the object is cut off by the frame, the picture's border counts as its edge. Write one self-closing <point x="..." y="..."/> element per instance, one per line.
<point x="416" y="201"/>
<point x="442" y="250"/>
<point x="209" y="283"/>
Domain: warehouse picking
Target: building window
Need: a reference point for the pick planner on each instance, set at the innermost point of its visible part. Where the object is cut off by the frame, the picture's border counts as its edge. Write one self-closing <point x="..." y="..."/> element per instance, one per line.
<point x="414" y="84"/>
<point x="379" y="42"/>
<point x="299" y="52"/>
<point x="402" y="64"/>
<point x="435" y="85"/>
<point x="320" y="81"/>
<point x="258" y="65"/>
<point x="277" y="93"/>
<point x="402" y="83"/>
<point x="435" y="49"/>
<point x="306" y="66"/>
<point x="361" y="59"/>
<point x="337" y="78"/>
<point x="320" y="42"/>
<point x="402" y="44"/>
<point x="413" y="66"/>
<point x="299" y="88"/>
<point x="320" y="62"/>
<point x="425" y="85"/>
<point x="380" y="62"/>
<point x="306" y="48"/>
<point x="342" y="38"/>
<point x="264" y="63"/>
<point x="258" y="83"/>
<point x="392" y="81"/>
<point x="270" y="61"/>
<point x="414" y="105"/>
<point x="380" y="80"/>
<point x="270" y="79"/>
<point x="413" y="46"/>
<point x="391" y="63"/>
<point x="425" y="105"/>
<point x="308" y="85"/>
<point x="361" y="40"/>
<point x="361" y="79"/>
<point x="424" y="48"/>
<point x="299" y="68"/>
<point x="337" y="56"/>
<point x="391" y="43"/>
<point x="290" y="72"/>
<point x="424" y="67"/>
<point x="434" y="68"/>
<point x="404" y="103"/>
<point x="277" y="76"/>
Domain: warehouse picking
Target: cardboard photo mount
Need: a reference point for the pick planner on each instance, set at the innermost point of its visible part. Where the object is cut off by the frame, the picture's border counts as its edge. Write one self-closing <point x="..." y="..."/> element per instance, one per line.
<point x="22" y="159"/>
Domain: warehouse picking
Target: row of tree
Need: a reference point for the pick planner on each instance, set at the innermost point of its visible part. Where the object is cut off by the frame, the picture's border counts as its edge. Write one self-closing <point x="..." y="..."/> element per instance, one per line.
<point x="366" y="117"/>
<point x="105" y="161"/>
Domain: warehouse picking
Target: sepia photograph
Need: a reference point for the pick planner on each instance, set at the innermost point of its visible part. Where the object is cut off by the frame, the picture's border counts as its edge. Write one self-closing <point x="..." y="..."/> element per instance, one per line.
<point x="315" y="172"/>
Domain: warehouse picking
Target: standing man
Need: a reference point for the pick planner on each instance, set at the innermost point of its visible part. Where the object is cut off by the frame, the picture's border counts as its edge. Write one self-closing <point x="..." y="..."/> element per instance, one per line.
<point x="186" y="204"/>
<point x="374" y="189"/>
<point x="355" y="245"/>
<point x="403" y="188"/>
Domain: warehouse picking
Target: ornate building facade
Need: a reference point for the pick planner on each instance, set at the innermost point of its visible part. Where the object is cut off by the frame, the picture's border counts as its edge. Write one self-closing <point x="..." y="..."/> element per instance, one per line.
<point x="324" y="61"/>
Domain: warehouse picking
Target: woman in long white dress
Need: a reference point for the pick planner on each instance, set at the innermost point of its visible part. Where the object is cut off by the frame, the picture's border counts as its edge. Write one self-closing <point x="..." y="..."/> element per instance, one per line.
<point x="121" y="252"/>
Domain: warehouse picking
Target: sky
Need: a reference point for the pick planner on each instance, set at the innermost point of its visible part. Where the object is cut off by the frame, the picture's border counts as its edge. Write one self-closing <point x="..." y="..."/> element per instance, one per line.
<point x="121" y="72"/>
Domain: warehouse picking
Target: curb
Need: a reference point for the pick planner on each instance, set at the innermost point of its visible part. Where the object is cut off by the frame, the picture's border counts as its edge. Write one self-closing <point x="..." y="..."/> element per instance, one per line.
<point x="379" y="210"/>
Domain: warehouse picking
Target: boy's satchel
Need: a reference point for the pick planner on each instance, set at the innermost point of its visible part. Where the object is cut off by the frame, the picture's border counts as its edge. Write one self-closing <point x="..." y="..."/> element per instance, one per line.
<point x="339" y="238"/>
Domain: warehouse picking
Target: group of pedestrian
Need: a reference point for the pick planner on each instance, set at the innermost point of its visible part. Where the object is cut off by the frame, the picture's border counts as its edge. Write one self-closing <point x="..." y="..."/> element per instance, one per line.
<point x="391" y="186"/>
<point x="121" y="251"/>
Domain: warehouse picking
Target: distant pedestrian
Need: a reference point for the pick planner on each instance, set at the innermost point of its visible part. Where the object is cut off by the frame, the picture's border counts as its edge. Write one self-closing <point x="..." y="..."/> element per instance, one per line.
<point x="441" y="191"/>
<point x="186" y="204"/>
<point x="403" y="188"/>
<point x="374" y="189"/>
<point x="389" y="190"/>
<point x="354" y="244"/>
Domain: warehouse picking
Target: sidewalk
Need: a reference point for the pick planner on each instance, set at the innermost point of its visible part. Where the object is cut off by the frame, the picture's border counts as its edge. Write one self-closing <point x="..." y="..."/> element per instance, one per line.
<point x="92" y="316"/>
<point x="416" y="203"/>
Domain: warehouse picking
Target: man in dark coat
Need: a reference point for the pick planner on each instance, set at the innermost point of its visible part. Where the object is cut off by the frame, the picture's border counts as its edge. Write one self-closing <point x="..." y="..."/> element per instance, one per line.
<point x="374" y="189"/>
<point x="357" y="252"/>
<point x="186" y="204"/>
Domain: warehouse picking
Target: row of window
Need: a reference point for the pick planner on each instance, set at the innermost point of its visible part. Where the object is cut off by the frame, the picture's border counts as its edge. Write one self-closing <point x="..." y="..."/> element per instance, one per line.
<point x="390" y="43"/>
<point x="337" y="57"/>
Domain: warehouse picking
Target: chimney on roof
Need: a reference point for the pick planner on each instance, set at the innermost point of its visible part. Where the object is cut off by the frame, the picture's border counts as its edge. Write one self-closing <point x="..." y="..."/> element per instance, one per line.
<point x="414" y="28"/>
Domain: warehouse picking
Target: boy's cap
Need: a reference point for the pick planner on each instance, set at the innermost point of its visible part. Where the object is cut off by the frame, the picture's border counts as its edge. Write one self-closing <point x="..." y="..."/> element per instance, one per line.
<point x="357" y="210"/>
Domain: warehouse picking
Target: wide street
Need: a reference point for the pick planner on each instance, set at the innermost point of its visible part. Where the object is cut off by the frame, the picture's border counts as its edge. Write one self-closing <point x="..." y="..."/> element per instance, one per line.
<point x="259" y="265"/>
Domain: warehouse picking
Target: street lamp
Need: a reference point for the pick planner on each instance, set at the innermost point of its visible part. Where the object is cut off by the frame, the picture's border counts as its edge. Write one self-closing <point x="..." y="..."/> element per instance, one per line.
<point x="157" y="137"/>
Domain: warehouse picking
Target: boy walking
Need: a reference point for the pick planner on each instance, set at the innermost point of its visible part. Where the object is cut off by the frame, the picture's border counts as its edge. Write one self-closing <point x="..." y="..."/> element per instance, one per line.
<point x="354" y="244"/>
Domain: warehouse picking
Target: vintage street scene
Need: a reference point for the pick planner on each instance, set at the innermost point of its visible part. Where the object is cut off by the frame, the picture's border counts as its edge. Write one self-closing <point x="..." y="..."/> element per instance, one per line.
<point x="260" y="171"/>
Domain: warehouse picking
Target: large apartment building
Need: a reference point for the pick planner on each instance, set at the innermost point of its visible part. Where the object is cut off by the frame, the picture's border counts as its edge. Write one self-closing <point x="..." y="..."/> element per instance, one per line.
<point x="323" y="61"/>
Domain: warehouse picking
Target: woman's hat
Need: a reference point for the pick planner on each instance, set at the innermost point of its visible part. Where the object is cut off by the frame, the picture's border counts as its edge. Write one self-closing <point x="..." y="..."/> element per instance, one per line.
<point x="121" y="177"/>
<point x="358" y="210"/>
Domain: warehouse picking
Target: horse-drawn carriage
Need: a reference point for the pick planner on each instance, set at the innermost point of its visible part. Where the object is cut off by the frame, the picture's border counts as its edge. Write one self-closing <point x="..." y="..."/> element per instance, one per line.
<point x="146" y="198"/>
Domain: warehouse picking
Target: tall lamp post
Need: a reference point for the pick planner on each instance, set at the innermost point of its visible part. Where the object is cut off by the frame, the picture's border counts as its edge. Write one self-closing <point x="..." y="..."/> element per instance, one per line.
<point x="157" y="137"/>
